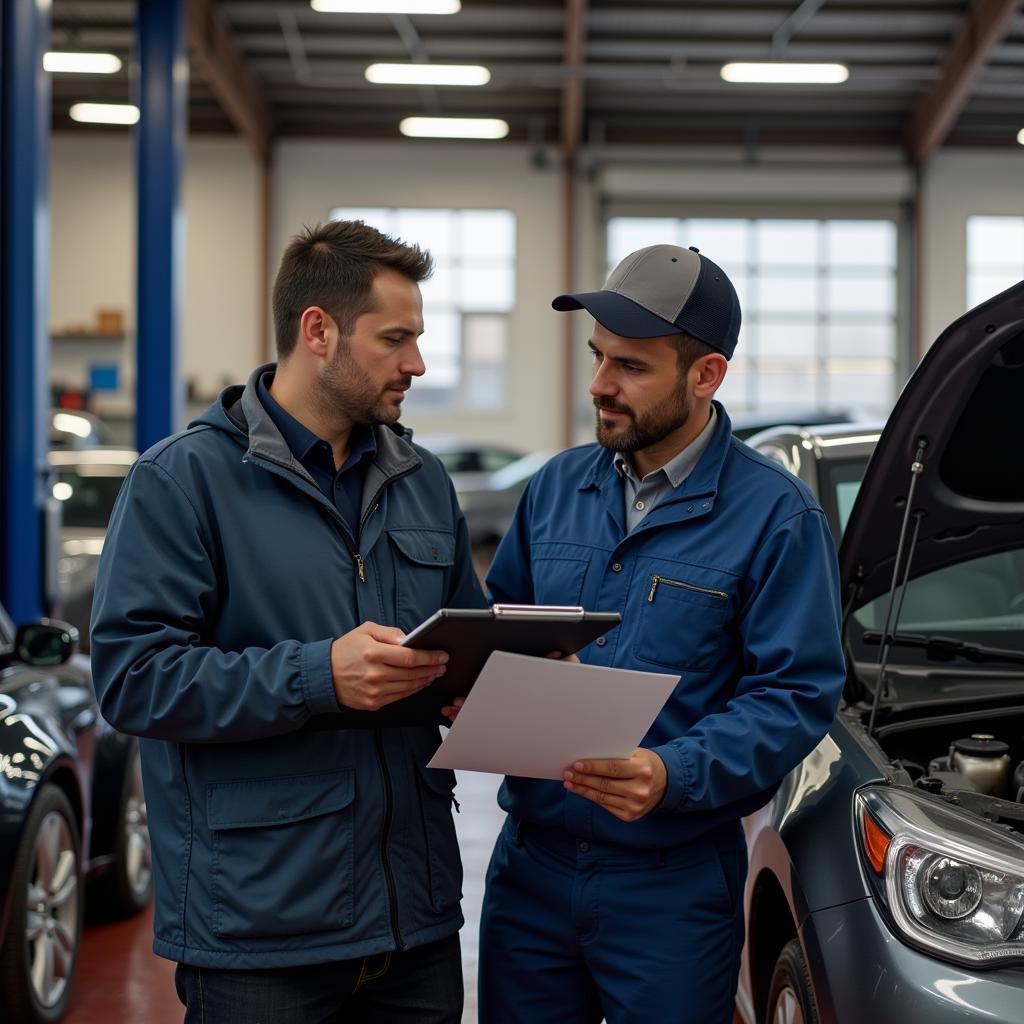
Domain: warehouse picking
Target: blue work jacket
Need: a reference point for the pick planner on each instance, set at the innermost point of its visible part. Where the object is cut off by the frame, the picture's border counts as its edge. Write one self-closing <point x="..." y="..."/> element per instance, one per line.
<point x="281" y="837"/>
<point x="730" y="582"/>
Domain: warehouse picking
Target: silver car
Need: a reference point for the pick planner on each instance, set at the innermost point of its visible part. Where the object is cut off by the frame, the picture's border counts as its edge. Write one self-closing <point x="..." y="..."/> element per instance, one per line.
<point x="886" y="879"/>
<point x="86" y="483"/>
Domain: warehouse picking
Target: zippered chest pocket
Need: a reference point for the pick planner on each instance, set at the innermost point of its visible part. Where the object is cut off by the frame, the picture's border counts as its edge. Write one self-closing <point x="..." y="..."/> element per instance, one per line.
<point x="683" y="624"/>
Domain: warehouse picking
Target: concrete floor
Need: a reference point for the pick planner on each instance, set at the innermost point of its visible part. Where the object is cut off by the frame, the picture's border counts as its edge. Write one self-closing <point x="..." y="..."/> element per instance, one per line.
<point x="119" y="978"/>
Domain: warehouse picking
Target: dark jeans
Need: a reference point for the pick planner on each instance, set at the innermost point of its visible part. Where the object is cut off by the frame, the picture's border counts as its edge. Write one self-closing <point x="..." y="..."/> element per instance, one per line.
<point x="417" y="986"/>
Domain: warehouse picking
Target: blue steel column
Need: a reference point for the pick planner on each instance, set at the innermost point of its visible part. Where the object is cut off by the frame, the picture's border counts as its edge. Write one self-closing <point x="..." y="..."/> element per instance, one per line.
<point x="160" y="152"/>
<point x="24" y="336"/>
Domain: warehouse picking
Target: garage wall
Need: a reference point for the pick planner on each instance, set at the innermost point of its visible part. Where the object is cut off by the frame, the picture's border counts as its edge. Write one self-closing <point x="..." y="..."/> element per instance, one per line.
<point x="312" y="177"/>
<point x="958" y="185"/>
<point x="92" y="196"/>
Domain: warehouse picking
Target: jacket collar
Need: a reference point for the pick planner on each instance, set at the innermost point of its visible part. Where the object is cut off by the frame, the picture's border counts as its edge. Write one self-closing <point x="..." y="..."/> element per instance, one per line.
<point x="704" y="478"/>
<point x="395" y="456"/>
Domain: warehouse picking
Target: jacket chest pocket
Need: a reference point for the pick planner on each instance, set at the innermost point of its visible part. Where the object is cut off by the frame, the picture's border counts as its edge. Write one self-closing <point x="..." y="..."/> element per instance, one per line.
<point x="423" y="561"/>
<point x="682" y="623"/>
<point x="282" y="854"/>
<point x="558" y="580"/>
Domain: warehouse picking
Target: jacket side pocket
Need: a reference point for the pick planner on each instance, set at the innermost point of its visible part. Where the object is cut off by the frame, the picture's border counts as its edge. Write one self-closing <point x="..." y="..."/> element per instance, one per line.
<point x="282" y="854"/>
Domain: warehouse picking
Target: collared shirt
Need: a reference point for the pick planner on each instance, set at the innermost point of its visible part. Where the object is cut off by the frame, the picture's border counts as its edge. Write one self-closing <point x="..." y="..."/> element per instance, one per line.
<point x="342" y="487"/>
<point x="642" y="496"/>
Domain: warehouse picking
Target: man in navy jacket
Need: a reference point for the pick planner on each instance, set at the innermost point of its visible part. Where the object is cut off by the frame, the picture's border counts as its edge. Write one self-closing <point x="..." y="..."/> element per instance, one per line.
<point x="618" y="892"/>
<point x="258" y="573"/>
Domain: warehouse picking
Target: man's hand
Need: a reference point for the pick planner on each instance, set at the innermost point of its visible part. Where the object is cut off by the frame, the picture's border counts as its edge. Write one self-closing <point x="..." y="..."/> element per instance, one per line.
<point x="629" y="787"/>
<point x="370" y="670"/>
<point x="451" y="711"/>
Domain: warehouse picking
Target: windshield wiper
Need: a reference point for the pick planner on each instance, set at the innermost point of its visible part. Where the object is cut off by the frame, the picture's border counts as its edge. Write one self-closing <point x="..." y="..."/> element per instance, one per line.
<point x="945" y="648"/>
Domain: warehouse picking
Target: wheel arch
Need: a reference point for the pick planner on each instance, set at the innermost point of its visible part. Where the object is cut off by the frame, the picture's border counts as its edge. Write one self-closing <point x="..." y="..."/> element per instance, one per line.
<point x="771" y="926"/>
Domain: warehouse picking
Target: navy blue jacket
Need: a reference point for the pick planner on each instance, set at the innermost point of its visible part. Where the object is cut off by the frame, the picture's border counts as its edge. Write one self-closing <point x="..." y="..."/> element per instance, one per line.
<point x="225" y="576"/>
<point x="730" y="582"/>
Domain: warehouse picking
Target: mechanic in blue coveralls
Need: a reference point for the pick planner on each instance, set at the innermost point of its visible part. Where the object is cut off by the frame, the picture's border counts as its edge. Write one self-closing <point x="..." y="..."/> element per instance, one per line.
<point x="618" y="893"/>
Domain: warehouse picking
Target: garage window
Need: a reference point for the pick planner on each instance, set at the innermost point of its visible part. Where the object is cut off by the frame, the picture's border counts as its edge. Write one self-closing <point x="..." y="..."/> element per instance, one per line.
<point x="995" y="256"/>
<point x="819" y="300"/>
<point x="466" y="304"/>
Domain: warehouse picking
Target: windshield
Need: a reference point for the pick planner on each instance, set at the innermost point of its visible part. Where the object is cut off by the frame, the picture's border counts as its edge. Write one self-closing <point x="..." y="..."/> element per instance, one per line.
<point x="87" y="500"/>
<point x="979" y="601"/>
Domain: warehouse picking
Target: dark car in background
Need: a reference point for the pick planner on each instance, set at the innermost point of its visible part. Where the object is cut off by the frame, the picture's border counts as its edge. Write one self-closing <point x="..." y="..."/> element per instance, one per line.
<point x="886" y="876"/>
<point x="72" y="811"/>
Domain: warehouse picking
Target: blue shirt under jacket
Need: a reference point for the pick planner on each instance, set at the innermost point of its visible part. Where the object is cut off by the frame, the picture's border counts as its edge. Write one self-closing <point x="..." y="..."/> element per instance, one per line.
<point x="344" y="486"/>
<point x="731" y="582"/>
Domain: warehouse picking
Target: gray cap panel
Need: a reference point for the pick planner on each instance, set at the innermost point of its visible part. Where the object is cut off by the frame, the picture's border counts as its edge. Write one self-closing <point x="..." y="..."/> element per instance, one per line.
<point x="661" y="278"/>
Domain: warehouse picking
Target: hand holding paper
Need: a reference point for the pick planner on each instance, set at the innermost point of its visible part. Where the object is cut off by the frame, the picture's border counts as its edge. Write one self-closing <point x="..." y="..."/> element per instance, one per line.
<point x="534" y="716"/>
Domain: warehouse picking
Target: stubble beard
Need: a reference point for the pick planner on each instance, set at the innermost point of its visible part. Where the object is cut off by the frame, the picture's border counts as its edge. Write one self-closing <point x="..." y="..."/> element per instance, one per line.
<point x="642" y="431"/>
<point x="344" y="387"/>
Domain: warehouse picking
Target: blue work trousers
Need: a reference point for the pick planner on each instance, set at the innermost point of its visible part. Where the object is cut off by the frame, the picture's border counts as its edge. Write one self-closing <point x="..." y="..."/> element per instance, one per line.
<point x="574" y="930"/>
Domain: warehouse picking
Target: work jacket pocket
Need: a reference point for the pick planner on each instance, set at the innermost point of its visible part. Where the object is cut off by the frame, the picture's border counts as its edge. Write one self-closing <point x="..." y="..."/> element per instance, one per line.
<point x="682" y="621"/>
<point x="282" y="854"/>
<point x="423" y="561"/>
<point x="559" y="573"/>
<point x="444" y="865"/>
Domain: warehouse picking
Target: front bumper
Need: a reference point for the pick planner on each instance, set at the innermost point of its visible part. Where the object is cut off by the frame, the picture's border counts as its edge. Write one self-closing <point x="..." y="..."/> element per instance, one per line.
<point x="863" y="973"/>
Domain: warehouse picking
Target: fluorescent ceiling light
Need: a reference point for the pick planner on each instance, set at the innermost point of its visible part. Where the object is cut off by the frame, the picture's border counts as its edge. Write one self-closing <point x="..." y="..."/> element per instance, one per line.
<point x="386" y="6"/>
<point x="454" y="127"/>
<point x="1020" y="136"/>
<point x="427" y="74"/>
<point x="81" y="63"/>
<point x="775" y="72"/>
<point x="104" y="113"/>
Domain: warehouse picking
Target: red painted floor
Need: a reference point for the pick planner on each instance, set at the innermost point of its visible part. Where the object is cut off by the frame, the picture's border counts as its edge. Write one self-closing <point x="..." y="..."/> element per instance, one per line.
<point x="120" y="979"/>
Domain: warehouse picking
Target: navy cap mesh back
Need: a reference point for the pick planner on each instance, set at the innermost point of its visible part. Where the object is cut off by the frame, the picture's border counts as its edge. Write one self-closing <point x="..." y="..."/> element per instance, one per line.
<point x="712" y="313"/>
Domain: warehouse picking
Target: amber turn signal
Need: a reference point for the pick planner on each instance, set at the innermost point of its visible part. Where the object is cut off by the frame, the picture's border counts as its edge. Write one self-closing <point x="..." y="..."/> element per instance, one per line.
<point x="876" y="842"/>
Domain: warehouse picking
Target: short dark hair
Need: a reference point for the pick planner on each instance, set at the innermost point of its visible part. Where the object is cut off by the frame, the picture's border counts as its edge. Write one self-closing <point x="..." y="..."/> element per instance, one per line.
<point x="689" y="349"/>
<point x="332" y="265"/>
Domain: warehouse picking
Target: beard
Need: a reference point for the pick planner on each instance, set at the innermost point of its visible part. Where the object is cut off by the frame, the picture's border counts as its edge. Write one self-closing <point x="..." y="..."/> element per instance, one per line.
<point x="345" y="387"/>
<point x="644" y="430"/>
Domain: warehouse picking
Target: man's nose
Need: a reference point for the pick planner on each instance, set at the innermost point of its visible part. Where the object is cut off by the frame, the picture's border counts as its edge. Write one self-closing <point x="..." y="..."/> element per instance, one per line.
<point x="602" y="384"/>
<point x="413" y="365"/>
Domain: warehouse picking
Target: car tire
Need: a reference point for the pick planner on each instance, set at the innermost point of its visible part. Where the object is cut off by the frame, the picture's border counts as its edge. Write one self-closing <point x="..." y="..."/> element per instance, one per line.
<point x="790" y="995"/>
<point x="40" y="948"/>
<point x="127" y="887"/>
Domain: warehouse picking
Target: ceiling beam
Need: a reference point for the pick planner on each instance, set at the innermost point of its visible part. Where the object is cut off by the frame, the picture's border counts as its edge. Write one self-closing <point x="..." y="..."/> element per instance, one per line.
<point x="220" y="61"/>
<point x="983" y="30"/>
<point x="572" y="89"/>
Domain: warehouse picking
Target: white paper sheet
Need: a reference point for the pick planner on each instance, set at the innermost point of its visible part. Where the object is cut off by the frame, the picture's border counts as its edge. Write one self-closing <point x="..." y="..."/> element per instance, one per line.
<point x="535" y="716"/>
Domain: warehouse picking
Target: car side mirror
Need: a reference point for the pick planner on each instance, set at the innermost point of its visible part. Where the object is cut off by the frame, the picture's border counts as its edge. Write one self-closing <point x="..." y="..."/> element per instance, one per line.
<point x="45" y="643"/>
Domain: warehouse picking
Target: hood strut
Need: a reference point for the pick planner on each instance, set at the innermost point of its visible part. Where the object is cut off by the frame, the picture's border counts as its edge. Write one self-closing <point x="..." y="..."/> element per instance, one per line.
<point x="892" y="613"/>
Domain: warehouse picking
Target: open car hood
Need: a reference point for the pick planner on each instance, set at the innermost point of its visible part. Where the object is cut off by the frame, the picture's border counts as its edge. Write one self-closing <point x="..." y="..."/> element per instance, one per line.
<point x="962" y="414"/>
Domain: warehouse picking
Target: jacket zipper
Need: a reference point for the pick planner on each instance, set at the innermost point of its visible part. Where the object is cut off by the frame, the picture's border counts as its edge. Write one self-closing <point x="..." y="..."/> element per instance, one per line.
<point x="655" y="580"/>
<point x="389" y="878"/>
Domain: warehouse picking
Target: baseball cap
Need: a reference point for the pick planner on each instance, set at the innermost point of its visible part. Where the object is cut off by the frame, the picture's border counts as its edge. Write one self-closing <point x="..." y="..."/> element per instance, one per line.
<point x="665" y="289"/>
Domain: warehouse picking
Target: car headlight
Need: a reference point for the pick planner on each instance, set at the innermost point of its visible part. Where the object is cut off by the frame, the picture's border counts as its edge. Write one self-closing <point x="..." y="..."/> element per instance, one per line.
<point x="952" y="884"/>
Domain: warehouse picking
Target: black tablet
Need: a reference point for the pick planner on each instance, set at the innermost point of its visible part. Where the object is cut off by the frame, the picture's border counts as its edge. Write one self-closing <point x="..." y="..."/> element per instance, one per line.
<point x="469" y="636"/>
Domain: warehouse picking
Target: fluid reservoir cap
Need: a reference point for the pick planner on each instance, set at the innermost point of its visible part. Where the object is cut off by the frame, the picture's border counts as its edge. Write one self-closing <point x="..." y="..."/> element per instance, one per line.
<point x="981" y="745"/>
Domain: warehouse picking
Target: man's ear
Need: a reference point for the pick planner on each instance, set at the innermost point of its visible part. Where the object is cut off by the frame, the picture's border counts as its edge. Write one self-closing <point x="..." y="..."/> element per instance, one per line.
<point x="707" y="374"/>
<point x="314" y="325"/>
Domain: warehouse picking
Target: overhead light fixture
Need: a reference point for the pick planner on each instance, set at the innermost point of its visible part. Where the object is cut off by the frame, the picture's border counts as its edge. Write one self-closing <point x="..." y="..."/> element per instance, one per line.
<point x="454" y="127"/>
<point x="428" y="74"/>
<point x="386" y="6"/>
<point x="104" y="113"/>
<point x="775" y="72"/>
<point x="1020" y="136"/>
<point x="81" y="63"/>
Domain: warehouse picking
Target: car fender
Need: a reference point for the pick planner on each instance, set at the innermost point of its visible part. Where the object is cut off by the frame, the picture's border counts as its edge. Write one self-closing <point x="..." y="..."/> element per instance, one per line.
<point x="33" y="752"/>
